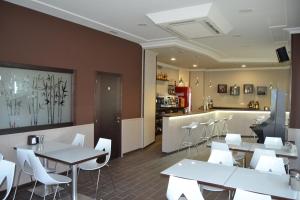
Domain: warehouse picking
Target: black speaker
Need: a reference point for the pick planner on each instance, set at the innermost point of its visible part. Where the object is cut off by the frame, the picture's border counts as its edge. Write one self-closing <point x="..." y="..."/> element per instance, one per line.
<point x="282" y="54"/>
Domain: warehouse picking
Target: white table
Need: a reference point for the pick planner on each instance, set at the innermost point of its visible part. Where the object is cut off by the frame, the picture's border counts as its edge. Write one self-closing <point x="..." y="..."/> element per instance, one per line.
<point x="67" y="154"/>
<point x="232" y="178"/>
<point x="250" y="147"/>
<point x="203" y="172"/>
<point x="260" y="182"/>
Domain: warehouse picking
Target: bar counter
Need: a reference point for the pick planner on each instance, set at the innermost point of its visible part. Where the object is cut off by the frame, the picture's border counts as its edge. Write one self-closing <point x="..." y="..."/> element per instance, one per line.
<point x="173" y="134"/>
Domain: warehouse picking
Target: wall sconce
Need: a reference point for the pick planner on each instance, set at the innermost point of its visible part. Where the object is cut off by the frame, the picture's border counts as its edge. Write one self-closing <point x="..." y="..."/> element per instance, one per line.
<point x="197" y="81"/>
<point x="270" y="86"/>
<point x="210" y="85"/>
<point x="180" y="81"/>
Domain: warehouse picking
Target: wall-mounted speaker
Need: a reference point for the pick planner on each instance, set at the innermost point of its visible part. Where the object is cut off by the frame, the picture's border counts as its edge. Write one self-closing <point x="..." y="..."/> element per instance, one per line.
<point x="282" y="54"/>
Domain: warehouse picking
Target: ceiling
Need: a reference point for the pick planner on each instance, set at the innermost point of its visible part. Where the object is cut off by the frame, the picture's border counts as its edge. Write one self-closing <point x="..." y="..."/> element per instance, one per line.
<point x="257" y="28"/>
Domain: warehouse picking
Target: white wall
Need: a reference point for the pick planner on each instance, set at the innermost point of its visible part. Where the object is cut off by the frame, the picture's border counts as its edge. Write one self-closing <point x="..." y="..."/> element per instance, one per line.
<point x="66" y="135"/>
<point x="149" y="97"/>
<point x="280" y="79"/>
<point x="132" y="134"/>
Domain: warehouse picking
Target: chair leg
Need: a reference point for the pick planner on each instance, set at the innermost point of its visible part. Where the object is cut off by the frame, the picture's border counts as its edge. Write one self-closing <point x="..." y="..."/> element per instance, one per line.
<point x="33" y="190"/>
<point x="97" y="183"/>
<point x="55" y="192"/>
<point x="18" y="181"/>
<point x="111" y="178"/>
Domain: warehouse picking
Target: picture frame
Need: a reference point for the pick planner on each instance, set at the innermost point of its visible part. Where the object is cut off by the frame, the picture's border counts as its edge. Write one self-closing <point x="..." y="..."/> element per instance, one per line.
<point x="35" y="97"/>
<point x="222" y="88"/>
<point x="234" y="90"/>
<point x="248" y="88"/>
<point x="261" y="90"/>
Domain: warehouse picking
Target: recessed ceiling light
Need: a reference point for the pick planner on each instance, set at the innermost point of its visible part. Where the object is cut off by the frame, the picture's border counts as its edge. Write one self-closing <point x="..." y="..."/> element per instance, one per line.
<point x="142" y="24"/>
<point x="243" y="66"/>
<point x="194" y="65"/>
<point x="246" y="10"/>
<point x="173" y="59"/>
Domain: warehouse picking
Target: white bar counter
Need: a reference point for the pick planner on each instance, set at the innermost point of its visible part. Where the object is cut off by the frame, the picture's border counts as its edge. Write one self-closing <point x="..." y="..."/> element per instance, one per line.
<point x="173" y="134"/>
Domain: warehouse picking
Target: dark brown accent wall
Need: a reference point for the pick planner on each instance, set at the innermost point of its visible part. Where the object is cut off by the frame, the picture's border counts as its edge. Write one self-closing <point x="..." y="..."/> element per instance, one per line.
<point x="295" y="93"/>
<point x="30" y="37"/>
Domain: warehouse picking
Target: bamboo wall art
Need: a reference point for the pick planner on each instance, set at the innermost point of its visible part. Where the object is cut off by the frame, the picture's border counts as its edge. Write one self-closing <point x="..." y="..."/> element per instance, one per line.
<point x="30" y="97"/>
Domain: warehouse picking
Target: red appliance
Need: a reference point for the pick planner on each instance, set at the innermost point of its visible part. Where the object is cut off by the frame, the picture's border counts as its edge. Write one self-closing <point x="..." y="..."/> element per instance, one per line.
<point x="184" y="97"/>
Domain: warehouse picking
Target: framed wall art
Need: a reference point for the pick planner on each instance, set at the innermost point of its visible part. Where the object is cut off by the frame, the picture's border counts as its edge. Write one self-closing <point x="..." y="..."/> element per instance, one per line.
<point x="248" y="88"/>
<point x="235" y="90"/>
<point x="32" y="97"/>
<point x="261" y="90"/>
<point x="222" y="88"/>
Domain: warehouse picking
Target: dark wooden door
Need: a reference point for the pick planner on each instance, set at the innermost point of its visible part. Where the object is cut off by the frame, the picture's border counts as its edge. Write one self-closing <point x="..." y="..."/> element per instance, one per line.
<point x="108" y="110"/>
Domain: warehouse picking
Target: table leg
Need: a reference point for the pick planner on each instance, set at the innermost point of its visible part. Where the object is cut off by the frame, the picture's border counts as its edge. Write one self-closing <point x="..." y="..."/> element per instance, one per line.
<point x="74" y="182"/>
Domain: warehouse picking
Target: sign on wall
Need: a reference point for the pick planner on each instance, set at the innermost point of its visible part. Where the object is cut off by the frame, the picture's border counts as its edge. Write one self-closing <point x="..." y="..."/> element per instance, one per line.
<point x="30" y="98"/>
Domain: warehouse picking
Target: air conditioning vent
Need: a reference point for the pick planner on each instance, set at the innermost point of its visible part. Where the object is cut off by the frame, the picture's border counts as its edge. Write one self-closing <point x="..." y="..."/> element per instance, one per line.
<point x="212" y="27"/>
<point x="193" y="22"/>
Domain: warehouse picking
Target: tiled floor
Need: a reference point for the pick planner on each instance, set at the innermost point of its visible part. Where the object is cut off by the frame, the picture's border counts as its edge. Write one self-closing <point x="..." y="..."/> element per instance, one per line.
<point x="136" y="176"/>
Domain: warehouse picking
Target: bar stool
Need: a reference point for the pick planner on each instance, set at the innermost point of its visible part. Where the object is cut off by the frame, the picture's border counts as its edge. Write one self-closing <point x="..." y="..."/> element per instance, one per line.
<point x="225" y="120"/>
<point x="187" y="140"/>
<point x="204" y="134"/>
<point x="216" y="128"/>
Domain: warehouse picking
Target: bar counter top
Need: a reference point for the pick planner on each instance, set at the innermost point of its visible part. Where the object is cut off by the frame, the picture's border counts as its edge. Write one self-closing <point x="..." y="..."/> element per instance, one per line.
<point x="211" y="110"/>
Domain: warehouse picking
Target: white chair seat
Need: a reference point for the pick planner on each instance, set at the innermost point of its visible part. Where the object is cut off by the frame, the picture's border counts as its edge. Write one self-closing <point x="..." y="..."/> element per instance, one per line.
<point x="90" y="165"/>
<point x="60" y="178"/>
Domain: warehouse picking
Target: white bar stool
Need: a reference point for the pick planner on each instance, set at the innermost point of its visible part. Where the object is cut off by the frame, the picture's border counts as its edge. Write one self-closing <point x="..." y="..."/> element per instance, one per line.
<point x="187" y="140"/>
<point x="215" y="128"/>
<point x="204" y="134"/>
<point x="225" y="121"/>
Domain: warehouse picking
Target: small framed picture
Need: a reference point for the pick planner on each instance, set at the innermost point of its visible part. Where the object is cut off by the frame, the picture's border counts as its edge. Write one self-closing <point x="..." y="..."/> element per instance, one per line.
<point x="222" y="88"/>
<point x="261" y="90"/>
<point x="248" y="88"/>
<point x="235" y="90"/>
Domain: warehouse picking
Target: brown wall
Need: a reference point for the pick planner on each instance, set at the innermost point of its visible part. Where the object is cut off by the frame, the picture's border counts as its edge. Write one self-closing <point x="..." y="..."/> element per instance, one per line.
<point x="295" y="98"/>
<point x="30" y="37"/>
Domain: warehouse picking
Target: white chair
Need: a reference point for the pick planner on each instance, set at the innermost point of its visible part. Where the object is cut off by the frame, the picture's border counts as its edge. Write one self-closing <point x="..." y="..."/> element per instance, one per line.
<point x="259" y="152"/>
<point x="7" y="172"/>
<point x="187" y="140"/>
<point x="41" y="175"/>
<point x="1" y="156"/>
<point x="236" y="139"/>
<point x="78" y="140"/>
<point x="24" y="164"/>
<point x="273" y="142"/>
<point x="276" y="143"/>
<point x="102" y="145"/>
<point x="179" y="186"/>
<point x="245" y="195"/>
<point x="219" y="157"/>
<point x="271" y="165"/>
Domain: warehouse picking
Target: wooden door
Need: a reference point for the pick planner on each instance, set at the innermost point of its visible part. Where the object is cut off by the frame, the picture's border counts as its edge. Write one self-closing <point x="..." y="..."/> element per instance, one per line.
<point x="108" y="110"/>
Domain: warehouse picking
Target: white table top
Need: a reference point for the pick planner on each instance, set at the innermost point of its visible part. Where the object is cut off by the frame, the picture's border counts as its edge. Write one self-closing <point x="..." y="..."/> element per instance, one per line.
<point x="260" y="182"/>
<point x="65" y="153"/>
<point x="250" y="147"/>
<point x="203" y="172"/>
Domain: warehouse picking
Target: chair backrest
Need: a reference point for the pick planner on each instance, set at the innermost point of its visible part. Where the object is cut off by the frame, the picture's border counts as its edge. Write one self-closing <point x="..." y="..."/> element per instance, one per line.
<point x="23" y="159"/>
<point x="260" y="152"/>
<point x="104" y="145"/>
<point x="78" y="140"/>
<point x="1" y="156"/>
<point x="178" y="186"/>
<point x="221" y="157"/>
<point x="7" y="172"/>
<point x="271" y="164"/>
<point x="245" y="195"/>
<point x="232" y="138"/>
<point x="219" y="146"/>
<point x="273" y="142"/>
<point x="39" y="172"/>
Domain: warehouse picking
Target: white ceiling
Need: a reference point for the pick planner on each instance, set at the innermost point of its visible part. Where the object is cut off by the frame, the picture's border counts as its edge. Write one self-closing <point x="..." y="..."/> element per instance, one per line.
<point x="257" y="28"/>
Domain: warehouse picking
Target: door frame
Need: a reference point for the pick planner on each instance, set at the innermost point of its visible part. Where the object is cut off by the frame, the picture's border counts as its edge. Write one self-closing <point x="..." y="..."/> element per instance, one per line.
<point x="121" y="103"/>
